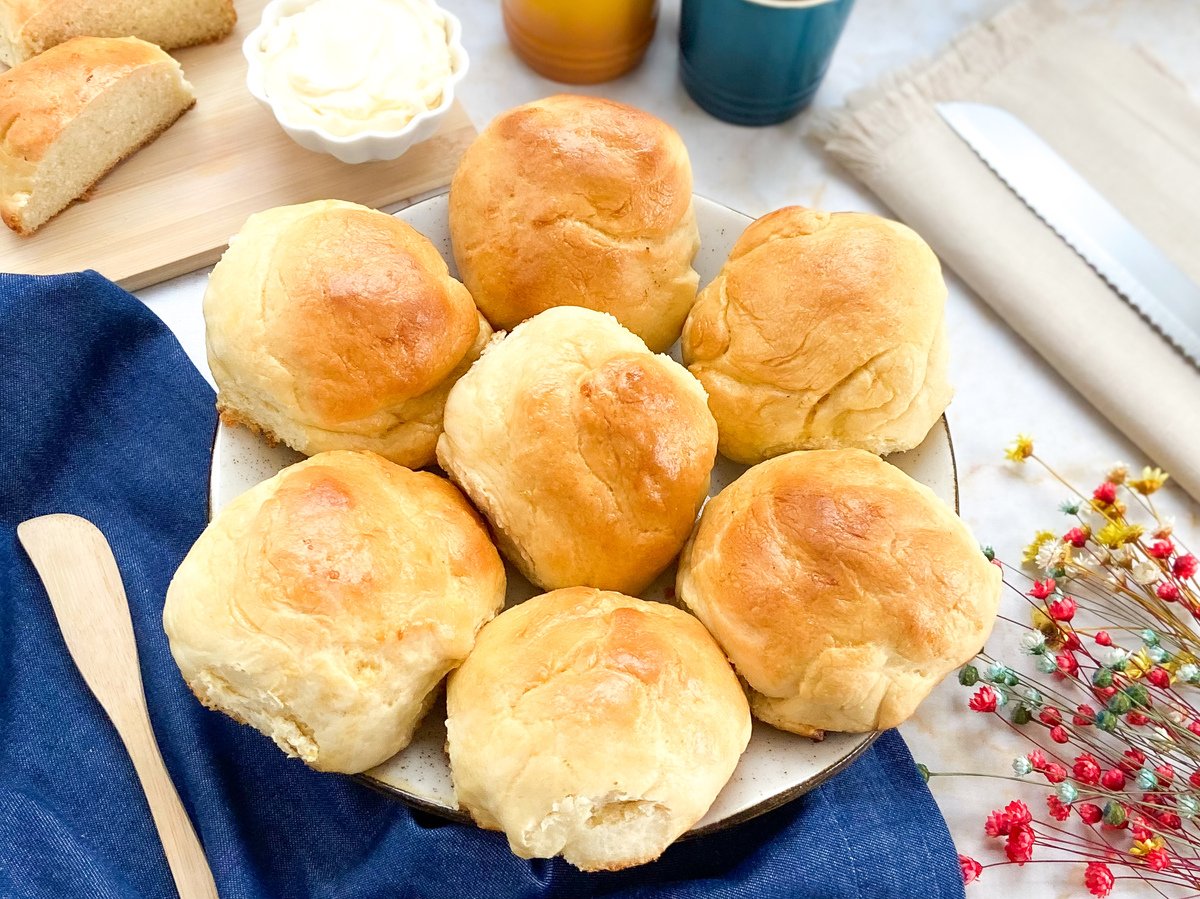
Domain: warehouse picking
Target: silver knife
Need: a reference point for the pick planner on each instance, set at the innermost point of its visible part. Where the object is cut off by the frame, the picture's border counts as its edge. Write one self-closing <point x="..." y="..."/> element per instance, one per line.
<point x="1133" y="266"/>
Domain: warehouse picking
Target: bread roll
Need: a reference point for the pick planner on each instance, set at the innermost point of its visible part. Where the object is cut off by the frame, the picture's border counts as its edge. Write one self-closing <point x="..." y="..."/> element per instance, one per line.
<point x="324" y="606"/>
<point x="589" y="455"/>
<point x="842" y="590"/>
<point x="29" y="27"/>
<point x="68" y="116"/>
<point x="333" y="326"/>
<point x="593" y="726"/>
<point x="823" y="330"/>
<point x="578" y="201"/>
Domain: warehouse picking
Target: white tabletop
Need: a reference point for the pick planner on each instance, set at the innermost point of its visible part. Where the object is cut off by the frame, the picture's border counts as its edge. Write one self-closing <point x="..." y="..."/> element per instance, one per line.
<point x="1002" y="386"/>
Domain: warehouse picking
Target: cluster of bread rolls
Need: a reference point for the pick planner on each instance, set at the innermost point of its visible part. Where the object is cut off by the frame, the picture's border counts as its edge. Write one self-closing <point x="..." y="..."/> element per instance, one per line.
<point x="324" y="606"/>
<point x="91" y="83"/>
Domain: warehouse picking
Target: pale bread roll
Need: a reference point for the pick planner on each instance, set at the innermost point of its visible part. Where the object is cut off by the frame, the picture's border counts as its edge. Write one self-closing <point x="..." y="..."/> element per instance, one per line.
<point x="69" y="116"/>
<point x="333" y="326"/>
<point x="841" y="589"/>
<point x="589" y="455"/>
<point x="822" y="330"/>
<point x="29" y="27"/>
<point x="578" y="201"/>
<point x="594" y="726"/>
<point x="324" y="606"/>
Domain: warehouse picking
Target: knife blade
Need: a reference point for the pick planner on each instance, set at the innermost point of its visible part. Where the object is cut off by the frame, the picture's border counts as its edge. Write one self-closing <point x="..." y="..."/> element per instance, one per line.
<point x="1089" y="224"/>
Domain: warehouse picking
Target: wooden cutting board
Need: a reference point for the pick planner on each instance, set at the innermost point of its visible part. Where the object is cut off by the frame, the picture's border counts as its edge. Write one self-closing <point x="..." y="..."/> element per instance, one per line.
<point x="171" y="207"/>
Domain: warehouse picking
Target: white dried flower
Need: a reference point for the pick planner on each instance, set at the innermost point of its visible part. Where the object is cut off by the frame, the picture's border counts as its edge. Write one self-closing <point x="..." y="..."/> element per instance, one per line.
<point x="1146" y="573"/>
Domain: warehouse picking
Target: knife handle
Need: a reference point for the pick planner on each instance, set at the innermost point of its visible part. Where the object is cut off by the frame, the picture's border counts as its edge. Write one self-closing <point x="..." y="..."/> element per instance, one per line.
<point x="185" y="856"/>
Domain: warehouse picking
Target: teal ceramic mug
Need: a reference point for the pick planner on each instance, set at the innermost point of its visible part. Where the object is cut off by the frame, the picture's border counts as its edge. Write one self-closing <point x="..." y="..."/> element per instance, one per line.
<point x="757" y="62"/>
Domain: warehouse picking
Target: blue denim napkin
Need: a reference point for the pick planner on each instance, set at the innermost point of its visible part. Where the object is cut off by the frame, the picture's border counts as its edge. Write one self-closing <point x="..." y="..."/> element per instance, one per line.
<point x="102" y="415"/>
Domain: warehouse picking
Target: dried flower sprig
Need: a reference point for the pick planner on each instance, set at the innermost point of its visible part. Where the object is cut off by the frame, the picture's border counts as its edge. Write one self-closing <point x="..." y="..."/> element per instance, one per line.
<point x="1110" y="705"/>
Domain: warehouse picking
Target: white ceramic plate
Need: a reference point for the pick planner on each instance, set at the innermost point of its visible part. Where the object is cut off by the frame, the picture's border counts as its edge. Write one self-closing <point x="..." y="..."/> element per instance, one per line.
<point x="777" y="766"/>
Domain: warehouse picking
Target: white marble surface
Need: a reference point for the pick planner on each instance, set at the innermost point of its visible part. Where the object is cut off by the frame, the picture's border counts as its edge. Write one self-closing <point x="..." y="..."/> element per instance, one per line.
<point x="1003" y="387"/>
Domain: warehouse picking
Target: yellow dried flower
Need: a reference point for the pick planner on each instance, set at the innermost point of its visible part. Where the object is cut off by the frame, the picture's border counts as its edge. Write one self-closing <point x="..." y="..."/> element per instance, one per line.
<point x="1040" y="539"/>
<point x="1142" y="848"/>
<point x="1021" y="449"/>
<point x="1137" y="664"/>
<point x="1117" y="533"/>
<point x="1118" y="473"/>
<point x="1152" y="480"/>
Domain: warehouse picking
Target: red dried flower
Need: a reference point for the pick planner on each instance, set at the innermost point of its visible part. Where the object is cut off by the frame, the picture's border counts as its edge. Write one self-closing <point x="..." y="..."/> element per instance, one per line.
<point x="1160" y="549"/>
<point x="984" y="700"/>
<point x="1089" y="812"/>
<point x="1103" y="638"/>
<point x="1166" y="591"/>
<point x="1076" y="537"/>
<point x="970" y="868"/>
<point x="1018" y="812"/>
<point x="1156" y="859"/>
<point x="1137" y="719"/>
<point x="1042" y="589"/>
<point x="1062" y="609"/>
<point x="1084" y="715"/>
<point x="1071" y="641"/>
<point x="1159" y="677"/>
<point x="1067" y="664"/>
<point x="1104" y="694"/>
<point x="1055" y="773"/>
<point x="1194" y="727"/>
<point x="1170" y="820"/>
<point x="997" y="824"/>
<point x="1059" y="734"/>
<point x="1038" y="759"/>
<point x="1050" y="715"/>
<point x="1134" y="759"/>
<point x="1165" y="773"/>
<point x="1001" y="821"/>
<point x="1139" y="828"/>
<point x="1106" y="493"/>
<point x="1087" y="770"/>
<point x="1058" y="811"/>
<point x="1098" y="878"/>
<point x="1113" y="779"/>
<point x="1019" y="846"/>
<point x="1194" y="779"/>
<point x="1185" y="567"/>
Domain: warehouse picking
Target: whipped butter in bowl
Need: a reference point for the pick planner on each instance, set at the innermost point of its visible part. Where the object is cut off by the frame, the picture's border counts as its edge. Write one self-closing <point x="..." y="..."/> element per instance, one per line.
<point x="361" y="79"/>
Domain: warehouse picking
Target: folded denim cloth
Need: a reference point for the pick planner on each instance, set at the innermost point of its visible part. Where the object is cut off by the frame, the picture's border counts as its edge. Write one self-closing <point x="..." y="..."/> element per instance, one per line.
<point x="102" y="415"/>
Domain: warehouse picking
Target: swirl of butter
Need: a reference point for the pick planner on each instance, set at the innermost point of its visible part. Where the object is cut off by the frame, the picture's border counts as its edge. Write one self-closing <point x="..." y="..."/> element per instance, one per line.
<point x="350" y="66"/>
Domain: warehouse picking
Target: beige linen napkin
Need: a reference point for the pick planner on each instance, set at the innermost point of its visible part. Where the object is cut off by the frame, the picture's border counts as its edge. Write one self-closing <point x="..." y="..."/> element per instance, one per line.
<point x="1126" y="126"/>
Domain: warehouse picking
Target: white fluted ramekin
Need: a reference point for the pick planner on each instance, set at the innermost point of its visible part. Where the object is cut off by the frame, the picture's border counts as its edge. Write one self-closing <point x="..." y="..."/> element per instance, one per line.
<point x="367" y="146"/>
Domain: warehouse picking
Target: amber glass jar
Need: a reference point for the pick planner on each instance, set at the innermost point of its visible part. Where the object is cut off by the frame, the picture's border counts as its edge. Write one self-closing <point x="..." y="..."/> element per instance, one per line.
<point x="580" y="41"/>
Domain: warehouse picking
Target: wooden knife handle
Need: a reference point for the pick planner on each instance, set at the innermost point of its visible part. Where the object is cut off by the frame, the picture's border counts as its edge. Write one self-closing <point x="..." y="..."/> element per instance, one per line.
<point x="189" y="867"/>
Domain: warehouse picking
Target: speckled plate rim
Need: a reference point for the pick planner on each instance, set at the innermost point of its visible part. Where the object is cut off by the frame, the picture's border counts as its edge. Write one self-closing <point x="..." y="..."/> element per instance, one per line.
<point x="770" y="803"/>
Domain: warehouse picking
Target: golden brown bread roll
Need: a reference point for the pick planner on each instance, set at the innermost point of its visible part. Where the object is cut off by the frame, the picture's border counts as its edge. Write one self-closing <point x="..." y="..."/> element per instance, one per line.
<point x="69" y="116"/>
<point x="578" y="201"/>
<point x="822" y="330"/>
<point x="324" y="606"/>
<point x="842" y="590"/>
<point x="593" y="725"/>
<point x="333" y="326"/>
<point x="589" y="455"/>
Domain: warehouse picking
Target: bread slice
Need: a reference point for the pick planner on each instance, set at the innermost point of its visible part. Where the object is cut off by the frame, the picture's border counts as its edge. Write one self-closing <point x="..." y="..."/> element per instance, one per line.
<point x="29" y="27"/>
<point x="71" y="114"/>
